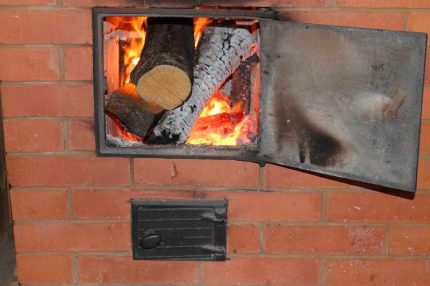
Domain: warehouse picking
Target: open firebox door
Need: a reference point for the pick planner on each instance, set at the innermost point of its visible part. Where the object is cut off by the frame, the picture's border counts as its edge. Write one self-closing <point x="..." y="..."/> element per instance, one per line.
<point x="342" y="101"/>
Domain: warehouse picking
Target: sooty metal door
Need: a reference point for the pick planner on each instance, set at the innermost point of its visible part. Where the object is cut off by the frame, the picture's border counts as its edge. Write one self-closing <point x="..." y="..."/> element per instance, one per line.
<point x="342" y="101"/>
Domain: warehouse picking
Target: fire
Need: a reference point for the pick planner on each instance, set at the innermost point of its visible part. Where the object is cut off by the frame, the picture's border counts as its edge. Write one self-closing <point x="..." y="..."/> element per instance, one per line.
<point x="220" y="124"/>
<point x="133" y="46"/>
<point x="122" y="132"/>
<point x="199" y="26"/>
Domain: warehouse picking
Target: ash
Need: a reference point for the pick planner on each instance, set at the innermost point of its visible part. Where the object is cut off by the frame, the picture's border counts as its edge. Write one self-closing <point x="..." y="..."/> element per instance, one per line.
<point x="119" y="142"/>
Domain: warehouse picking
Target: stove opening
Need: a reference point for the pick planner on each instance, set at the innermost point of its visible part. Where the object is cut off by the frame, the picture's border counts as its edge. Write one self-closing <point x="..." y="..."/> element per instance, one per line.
<point x="169" y="81"/>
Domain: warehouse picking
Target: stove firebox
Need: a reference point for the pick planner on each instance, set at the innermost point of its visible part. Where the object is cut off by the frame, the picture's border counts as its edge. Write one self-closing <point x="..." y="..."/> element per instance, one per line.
<point x="237" y="84"/>
<point x="154" y="98"/>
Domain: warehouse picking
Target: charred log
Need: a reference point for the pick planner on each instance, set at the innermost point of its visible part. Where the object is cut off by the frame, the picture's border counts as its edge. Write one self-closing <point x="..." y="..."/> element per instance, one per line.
<point x="241" y="84"/>
<point x="164" y="72"/>
<point x="220" y="52"/>
<point x="135" y="114"/>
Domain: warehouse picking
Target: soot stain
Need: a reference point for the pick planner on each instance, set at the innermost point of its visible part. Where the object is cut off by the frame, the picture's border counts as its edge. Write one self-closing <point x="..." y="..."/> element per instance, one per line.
<point x="324" y="150"/>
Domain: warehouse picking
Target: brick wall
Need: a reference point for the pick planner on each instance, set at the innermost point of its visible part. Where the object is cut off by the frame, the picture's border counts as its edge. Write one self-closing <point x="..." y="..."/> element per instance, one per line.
<point x="286" y="227"/>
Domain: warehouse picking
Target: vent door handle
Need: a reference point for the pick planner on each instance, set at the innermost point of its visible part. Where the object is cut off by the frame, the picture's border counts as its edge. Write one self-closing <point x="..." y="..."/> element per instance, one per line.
<point x="213" y="249"/>
<point x="211" y="217"/>
<point x="151" y="241"/>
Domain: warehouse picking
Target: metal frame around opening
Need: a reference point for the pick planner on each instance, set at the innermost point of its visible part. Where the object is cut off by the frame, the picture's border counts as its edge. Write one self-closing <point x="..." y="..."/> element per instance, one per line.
<point x="243" y="153"/>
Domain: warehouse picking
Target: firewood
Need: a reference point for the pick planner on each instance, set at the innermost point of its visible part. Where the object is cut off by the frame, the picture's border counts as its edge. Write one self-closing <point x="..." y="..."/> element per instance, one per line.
<point x="164" y="73"/>
<point x="220" y="52"/>
<point x="135" y="114"/>
<point x="241" y="88"/>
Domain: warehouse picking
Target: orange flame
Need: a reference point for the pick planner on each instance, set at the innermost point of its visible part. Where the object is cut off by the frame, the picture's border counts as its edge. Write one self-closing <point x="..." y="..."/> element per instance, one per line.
<point x="220" y="124"/>
<point x="199" y="26"/>
<point x="134" y="46"/>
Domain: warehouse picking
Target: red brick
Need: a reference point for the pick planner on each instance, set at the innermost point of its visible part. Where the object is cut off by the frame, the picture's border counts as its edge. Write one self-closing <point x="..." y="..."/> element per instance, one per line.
<point x="27" y="2"/>
<point x="65" y="236"/>
<point x="282" y="177"/>
<point x="270" y="3"/>
<point x="47" y="100"/>
<point x="196" y="172"/>
<point x="426" y="103"/>
<point x="378" y="272"/>
<point x="271" y="206"/>
<point x="78" y="64"/>
<point x="26" y="64"/>
<point x="263" y="271"/>
<point x="374" y="206"/>
<point x="39" y="204"/>
<point x="81" y="134"/>
<point x="67" y="171"/>
<point x="419" y="21"/>
<point x="104" y="3"/>
<point x="425" y="138"/>
<point x="410" y="240"/>
<point x="374" y="20"/>
<point x="385" y="3"/>
<point x="36" y="135"/>
<point x="243" y="238"/>
<point x="427" y="72"/>
<point x="122" y="269"/>
<point x="424" y="174"/>
<point x="325" y="239"/>
<point x="44" y="269"/>
<point x="191" y="3"/>
<point x="116" y="203"/>
<point x="50" y="26"/>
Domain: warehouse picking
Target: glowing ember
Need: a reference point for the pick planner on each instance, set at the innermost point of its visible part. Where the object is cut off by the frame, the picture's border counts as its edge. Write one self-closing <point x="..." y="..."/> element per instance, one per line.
<point x="220" y="124"/>
<point x="123" y="133"/>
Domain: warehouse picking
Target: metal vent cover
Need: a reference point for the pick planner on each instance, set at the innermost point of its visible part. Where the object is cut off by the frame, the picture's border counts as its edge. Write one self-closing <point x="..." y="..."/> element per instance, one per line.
<point x="179" y="230"/>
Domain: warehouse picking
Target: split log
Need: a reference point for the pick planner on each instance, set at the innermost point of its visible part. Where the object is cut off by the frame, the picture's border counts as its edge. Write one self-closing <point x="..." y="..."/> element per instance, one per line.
<point x="164" y="73"/>
<point x="220" y="52"/>
<point x="135" y="114"/>
<point x="241" y="88"/>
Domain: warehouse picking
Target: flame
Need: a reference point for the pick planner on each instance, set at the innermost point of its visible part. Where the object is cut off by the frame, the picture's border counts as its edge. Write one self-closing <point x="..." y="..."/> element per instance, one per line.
<point x="199" y="26"/>
<point x="134" y="46"/>
<point x="220" y="124"/>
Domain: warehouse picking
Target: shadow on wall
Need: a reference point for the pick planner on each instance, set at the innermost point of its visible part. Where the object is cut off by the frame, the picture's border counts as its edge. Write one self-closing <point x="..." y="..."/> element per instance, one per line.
<point x="7" y="247"/>
<point x="381" y="189"/>
<point x="7" y="260"/>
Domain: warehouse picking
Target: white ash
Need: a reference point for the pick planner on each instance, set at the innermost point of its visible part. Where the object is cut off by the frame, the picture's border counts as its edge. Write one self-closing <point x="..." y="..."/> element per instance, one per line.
<point x="120" y="142"/>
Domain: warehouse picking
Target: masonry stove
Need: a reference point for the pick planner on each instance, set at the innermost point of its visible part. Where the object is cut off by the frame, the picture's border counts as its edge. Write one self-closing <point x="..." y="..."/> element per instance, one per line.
<point x="344" y="102"/>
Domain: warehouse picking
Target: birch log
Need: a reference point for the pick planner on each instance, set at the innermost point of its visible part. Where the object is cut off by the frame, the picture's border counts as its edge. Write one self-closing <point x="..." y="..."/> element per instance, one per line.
<point x="220" y="52"/>
<point x="164" y="72"/>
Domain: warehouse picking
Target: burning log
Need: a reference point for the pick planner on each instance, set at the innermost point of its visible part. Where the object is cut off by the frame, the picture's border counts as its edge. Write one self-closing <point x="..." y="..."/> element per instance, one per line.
<point x="241" y="88"/>
<point x="135" y="114"/>
<point x="163" y="74"/>
<point x="220" y="52"/>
